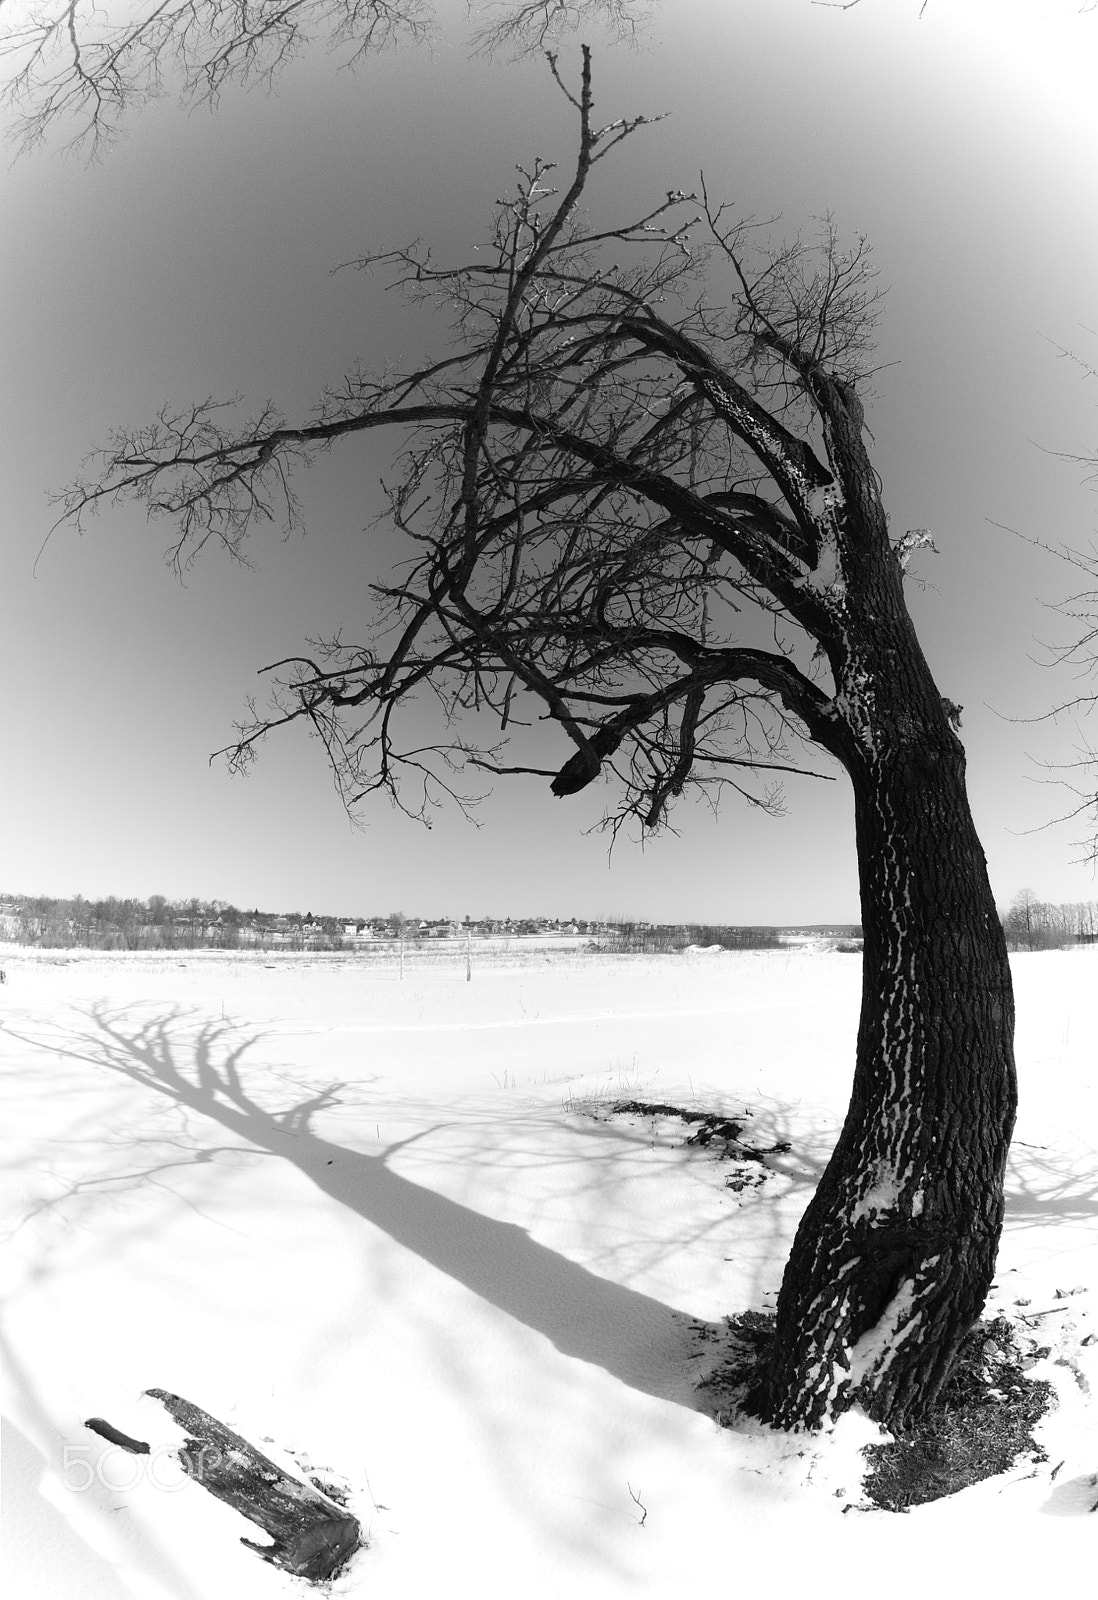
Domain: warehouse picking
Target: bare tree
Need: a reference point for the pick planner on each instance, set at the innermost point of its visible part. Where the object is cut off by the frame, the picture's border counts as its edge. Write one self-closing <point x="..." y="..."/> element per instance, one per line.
<point x="1077" y="656"/>
<point x="1024" y="918"/>
<point x="78" y="64"/>
<point x="652" y="517"/>
<point x="1032" y="924"/>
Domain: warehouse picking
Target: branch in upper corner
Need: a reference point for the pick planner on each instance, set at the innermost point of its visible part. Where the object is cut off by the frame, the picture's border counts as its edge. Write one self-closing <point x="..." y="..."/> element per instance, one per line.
<point x="529" y="27"/>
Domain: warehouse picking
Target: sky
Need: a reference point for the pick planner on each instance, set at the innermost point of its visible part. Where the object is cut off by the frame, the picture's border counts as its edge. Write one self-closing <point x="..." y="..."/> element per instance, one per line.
<point x="196" y="259"/>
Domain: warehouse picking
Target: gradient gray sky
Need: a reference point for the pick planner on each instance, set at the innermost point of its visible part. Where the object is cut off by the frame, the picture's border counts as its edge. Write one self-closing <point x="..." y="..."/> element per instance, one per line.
<point x="195" y="259"/>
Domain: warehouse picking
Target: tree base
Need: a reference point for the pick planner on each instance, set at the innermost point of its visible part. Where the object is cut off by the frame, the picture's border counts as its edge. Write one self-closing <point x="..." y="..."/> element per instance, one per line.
<point x="979" y="1426"/>
<point x="982" y="1423"/>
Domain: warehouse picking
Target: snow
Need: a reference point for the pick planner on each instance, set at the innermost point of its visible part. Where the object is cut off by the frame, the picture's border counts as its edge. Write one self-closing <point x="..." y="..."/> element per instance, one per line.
<point x="825" y="507"/>
<point x="882" y="1195"/>
<point x="389" y="1233"/>
<point x="876" y="1349"/>
<point x="853" y="702"/>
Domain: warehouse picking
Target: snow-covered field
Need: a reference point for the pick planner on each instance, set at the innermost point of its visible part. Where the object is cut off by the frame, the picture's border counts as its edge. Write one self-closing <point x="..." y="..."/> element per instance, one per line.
<point x="375" y="1224"/>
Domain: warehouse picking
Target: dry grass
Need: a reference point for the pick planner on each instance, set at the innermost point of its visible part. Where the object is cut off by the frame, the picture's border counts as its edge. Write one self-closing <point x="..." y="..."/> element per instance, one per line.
<point x="982" y="1423"/>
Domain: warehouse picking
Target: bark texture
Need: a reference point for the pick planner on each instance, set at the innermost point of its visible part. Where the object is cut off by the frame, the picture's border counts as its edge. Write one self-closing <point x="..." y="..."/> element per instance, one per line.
<point x="893" y="1259"/>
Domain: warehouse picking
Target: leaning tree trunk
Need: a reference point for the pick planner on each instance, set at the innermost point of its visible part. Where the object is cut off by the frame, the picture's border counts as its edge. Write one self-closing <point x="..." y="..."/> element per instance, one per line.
<point x="893" y="1259"/>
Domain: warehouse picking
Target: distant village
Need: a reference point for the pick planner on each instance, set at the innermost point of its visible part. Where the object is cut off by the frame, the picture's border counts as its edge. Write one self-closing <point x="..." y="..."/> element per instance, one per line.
<point x="162" y="924"/>
<point x="159" y="923"/>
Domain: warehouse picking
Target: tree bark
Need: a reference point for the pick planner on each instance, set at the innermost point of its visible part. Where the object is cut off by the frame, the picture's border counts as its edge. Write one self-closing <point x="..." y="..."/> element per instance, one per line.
<point x="892" y="1261"/>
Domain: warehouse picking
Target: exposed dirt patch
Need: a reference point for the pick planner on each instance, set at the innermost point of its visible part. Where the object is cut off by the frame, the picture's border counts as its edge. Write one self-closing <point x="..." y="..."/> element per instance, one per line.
<point x="983" y="1423"/>
<point x="722" y="1136"/>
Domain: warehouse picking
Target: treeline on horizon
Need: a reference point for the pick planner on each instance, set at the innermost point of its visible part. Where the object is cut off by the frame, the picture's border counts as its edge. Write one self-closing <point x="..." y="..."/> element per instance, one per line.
<point x="162" y="924"/>
<point x="153" y="924"/>
<point x="1033" y="924"/>
<point x="192" y="924"/>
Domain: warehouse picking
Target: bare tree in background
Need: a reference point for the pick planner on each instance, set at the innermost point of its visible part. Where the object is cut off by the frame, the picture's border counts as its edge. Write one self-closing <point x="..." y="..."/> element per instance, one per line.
<point x="1032" y="924"/>
<point x="651" y="516"/>
<point x="79" y="64"/>
<point x="1077" y="656"/>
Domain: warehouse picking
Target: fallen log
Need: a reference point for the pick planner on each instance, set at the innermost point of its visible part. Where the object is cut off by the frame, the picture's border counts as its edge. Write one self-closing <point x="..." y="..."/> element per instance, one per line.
<point x="312" y="1535"/>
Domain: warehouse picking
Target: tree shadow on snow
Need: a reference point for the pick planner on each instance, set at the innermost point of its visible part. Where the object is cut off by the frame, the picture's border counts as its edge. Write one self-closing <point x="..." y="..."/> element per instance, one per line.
<point x="199" y="1066"/>
<point x="773" y="1171"/>
<point x="1049" y="1183"/>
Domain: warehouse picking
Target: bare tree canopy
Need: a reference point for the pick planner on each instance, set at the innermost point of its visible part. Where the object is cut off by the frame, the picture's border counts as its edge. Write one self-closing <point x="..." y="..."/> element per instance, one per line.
<point x="608" y="505"/>
<point x="78" y="66"/>
<point x="650" y="514"/>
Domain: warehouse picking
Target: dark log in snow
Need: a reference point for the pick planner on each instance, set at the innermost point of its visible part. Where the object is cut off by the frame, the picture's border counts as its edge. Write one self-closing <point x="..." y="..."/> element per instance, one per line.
<point x="312" y="1535"/>
<point x="136" y="1447"/>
